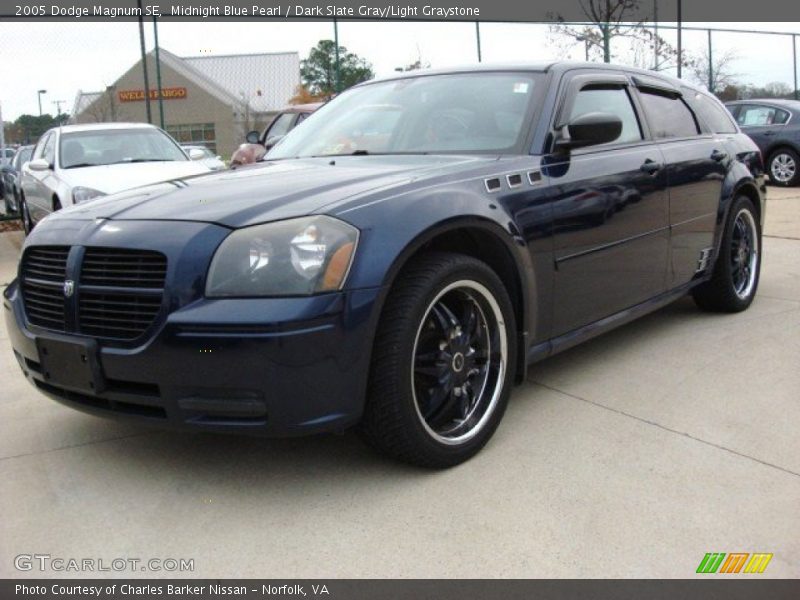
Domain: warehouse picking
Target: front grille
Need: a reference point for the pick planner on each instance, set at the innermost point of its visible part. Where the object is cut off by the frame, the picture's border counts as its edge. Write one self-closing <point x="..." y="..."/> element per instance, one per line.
<point x="119" y="291"/>
<point x="116" y="315"/>
<point x="44" y="271"/>
<point x="129" y="268"/>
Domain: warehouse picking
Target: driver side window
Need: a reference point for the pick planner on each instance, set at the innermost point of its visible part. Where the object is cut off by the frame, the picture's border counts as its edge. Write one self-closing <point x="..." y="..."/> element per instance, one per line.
<point x="614" y="101"/>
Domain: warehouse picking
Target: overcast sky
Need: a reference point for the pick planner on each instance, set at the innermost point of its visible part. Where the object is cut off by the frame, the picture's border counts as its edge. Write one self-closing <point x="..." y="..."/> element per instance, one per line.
<point x="66" y="57"/>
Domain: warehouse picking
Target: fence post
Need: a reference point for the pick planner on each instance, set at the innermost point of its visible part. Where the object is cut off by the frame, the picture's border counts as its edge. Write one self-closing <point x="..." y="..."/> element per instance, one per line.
<point x="478" y="38"/>
<point x="680" y="38"/>
<point x="710" y="65"/>
<point x="144" y="64"/>
<point x="336" y="66"/>
<point x="158" y="74"/>
<point x="794" y="62"/>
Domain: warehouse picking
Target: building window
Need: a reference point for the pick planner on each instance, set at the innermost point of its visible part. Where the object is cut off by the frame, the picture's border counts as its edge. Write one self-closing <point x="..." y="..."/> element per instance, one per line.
<point x="197" y="134"/>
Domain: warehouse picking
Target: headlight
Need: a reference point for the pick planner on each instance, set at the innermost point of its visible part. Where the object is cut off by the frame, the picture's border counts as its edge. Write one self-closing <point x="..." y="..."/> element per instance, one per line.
<point x="82" y="194"/>
<point x="297" y="257"/>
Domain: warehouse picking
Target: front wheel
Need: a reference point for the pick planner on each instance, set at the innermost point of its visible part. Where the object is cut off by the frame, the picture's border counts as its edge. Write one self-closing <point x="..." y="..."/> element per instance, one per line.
<point x="24" y="213"/>
<point x="784" y="167"/>
<point x="443" y="362"/>
<point x="733" y="285"/>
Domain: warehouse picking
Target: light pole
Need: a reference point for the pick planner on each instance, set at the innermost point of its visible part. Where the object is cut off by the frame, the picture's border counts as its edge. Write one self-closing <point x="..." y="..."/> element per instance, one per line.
<point x="39" y="97"/>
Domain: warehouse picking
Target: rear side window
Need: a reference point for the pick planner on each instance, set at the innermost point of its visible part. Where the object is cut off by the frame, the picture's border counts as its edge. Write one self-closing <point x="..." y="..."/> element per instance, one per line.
<point x="609" y="100"/>
<point x="715" y="116"/>
<point x="668" y="116"/>
<point x="753" y="115"/>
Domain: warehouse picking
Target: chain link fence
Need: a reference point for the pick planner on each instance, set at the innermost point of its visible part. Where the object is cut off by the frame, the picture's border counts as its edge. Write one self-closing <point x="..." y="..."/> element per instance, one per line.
<point x="218" y="80"/>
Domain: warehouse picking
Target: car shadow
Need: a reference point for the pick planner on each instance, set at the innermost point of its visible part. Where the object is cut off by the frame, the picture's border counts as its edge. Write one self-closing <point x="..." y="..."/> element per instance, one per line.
<point x="169" y="455"/>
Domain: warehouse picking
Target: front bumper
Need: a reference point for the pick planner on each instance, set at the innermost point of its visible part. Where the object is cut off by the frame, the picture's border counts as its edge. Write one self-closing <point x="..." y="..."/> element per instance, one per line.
<point x="273" y="367"/>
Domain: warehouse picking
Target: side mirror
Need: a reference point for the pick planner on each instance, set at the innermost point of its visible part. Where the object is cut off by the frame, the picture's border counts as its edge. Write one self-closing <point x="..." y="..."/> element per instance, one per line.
<point x="39" y="164"/>
<point x="196" y="154"/>
<point x="272" y="141"/>
<point x="590" y="129"/>
<point x="253" y="137"/>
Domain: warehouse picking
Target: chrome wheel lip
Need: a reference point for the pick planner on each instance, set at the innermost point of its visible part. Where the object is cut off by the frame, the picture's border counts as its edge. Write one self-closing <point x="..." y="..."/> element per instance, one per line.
<point x="745" y="288"/>
<point x="489" y="298"/>
<point x="783" y="167"/>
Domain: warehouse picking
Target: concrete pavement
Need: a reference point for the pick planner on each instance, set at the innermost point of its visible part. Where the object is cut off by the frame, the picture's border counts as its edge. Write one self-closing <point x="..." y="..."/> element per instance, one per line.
<point x="630" y="456"/>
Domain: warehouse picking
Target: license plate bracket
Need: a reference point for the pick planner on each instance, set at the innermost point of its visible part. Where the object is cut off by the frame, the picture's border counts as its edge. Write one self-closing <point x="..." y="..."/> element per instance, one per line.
<point x="71" y="363"/>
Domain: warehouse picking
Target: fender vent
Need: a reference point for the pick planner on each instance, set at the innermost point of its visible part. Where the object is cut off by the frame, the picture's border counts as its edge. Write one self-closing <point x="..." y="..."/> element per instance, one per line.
<point x="492" y="185"/>
<point x="534" y="177"/>
<point x="514" y="180"/>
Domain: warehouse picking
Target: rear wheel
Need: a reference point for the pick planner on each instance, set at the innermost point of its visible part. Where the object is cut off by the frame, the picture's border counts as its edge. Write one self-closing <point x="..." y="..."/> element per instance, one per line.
<point x="443" y="362"/>
<point x="733" y="285"/>
<point x="784" y="167"/>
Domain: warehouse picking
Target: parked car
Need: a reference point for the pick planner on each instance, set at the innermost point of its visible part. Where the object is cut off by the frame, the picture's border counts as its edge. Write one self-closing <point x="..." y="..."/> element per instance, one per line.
<point x="774" y="125"/>
<point x="76" y="163"/>
<point x="399" y="283"/>
<point x="11" y="178"/>
<point x="257" y="144"/>
<point x="6" y="156"/>
<point x="205" y="157"/>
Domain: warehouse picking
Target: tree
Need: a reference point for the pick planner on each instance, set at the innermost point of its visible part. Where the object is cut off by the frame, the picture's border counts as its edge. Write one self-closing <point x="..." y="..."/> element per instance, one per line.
<point x="715" y="73"/>
<point x="318" y="71"/>
<point x="303" y="96"/>
<point x="609" y="19"/>
<point x="777" y="89"/>
<point x="28" y="128"/>
<point x="105" y="108"/>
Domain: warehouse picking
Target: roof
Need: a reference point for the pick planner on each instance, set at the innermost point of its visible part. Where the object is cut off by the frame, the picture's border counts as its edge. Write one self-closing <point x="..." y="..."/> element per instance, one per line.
<point x="266" y="81"/>
<point x="83" y="100"/>
<point x="541" y="67"/>
<point x="101" y="126"/>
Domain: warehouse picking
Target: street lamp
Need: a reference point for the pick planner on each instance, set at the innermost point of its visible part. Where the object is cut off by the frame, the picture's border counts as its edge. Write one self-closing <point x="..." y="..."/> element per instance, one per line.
<point x="39" y="97"/>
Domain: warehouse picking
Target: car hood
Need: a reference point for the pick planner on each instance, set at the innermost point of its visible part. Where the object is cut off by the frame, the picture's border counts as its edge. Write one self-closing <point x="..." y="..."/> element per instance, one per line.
<point x="272" y="190"/>
<point x="111" y="179"/>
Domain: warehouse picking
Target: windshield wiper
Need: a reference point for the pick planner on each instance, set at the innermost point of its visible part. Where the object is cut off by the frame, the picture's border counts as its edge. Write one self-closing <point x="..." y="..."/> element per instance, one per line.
<point x="78" y="165"/>
<point x="141" y="160"/>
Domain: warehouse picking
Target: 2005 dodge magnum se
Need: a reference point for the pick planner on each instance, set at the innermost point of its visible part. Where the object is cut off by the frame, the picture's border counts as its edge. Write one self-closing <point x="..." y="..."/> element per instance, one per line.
<point x="398" y="259"/>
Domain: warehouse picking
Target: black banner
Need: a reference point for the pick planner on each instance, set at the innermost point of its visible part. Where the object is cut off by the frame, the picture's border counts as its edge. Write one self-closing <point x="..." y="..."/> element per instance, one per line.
<point x="253" y="589"/>
<point x="435" y="10"/>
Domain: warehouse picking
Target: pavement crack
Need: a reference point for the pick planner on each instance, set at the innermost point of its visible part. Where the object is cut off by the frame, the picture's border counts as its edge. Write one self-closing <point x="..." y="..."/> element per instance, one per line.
<point x="665" y="428"/>
<point x="71" y="446"/>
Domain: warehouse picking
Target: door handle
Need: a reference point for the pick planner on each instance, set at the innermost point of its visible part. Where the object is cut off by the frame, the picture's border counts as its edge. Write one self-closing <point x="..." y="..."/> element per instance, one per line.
<point x="769" y="133"/>
<point x="650" y="167"/>
<point x="718" y="155"/>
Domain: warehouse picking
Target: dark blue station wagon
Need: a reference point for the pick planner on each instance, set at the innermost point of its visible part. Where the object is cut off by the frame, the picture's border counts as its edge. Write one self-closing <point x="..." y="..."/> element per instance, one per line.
<point x="397" y="260"/>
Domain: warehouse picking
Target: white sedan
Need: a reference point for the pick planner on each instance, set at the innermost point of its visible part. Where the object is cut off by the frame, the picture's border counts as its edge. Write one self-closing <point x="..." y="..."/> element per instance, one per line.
<point x="75" y="163"/>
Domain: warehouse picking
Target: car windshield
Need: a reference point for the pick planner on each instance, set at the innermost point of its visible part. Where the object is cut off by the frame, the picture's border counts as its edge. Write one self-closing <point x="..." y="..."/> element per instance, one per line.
<point x="112" y="146"/>
<point x="456" y="113"/>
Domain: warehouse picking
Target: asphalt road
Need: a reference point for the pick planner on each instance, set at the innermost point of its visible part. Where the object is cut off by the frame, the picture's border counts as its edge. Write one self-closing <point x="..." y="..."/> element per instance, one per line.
<point x="630" y="456"/>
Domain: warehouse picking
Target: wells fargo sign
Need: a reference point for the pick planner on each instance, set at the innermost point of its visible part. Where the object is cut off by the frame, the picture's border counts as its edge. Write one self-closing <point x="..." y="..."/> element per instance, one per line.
<point x="172" y="93"/>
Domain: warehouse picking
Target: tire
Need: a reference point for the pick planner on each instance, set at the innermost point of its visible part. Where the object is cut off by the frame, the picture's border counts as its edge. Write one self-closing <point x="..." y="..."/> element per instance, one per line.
<point x="734" y="282"/>
<point x="419" y="354"/>
<point x="784" y="167"/>
<point x="25" y="215"/>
